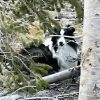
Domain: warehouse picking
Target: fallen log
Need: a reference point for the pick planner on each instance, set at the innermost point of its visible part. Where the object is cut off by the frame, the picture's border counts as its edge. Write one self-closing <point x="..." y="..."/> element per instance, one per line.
<point x="66" y="74"/>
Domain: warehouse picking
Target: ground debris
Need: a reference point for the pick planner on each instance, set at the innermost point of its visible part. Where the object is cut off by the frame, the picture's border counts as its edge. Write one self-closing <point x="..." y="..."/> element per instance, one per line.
<point x="64" y="90"/>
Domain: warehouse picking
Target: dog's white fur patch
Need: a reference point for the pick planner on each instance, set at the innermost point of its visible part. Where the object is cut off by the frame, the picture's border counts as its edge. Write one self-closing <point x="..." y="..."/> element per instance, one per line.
<point x="62" y="32"/>
<point x="61" y="39"/>
<point x="47" y="42"/>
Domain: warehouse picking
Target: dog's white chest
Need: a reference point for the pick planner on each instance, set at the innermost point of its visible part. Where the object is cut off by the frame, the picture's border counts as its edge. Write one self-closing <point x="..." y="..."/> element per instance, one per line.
<point x="65" y="57"/>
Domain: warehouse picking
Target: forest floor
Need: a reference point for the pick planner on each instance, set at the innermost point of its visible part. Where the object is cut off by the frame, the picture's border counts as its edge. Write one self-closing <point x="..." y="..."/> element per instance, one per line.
<point x="63" y="90"/>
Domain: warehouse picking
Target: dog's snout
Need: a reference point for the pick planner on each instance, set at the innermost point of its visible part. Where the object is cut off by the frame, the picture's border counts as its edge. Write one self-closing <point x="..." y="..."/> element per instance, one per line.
<point x="61" y="43"/>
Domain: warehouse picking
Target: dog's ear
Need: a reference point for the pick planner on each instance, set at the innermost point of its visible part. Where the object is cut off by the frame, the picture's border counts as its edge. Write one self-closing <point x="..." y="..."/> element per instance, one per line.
<point x="72" y="29"/>
<point x="69" y="31"/>
<point x="56" y="31"/>
<point x="68" y="25"/>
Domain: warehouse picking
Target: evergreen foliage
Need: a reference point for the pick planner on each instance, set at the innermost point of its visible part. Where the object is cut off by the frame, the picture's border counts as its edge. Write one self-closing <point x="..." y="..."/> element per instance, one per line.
<point x="16" y="24"/>
<point x="18" y="71"/>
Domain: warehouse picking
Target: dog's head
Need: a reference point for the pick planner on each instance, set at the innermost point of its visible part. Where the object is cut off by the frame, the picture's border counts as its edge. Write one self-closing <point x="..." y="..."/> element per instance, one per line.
<point x="58" y="39"/>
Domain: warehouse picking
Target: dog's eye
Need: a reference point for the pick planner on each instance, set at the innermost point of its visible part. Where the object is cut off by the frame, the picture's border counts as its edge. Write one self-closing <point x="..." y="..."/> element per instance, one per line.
<point x="66" y="40"/>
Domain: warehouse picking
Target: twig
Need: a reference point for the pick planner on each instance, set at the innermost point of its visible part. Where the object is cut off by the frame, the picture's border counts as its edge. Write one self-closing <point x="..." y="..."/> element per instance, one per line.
<point x="69" y="84"/>
<point x="66" y="95"/>
<point x="4" y="94"/>
<point x="20" y="89"/>
<point x="38" y="98"/>
<point x="75" y="37"/>
<point x="26" y="66"/>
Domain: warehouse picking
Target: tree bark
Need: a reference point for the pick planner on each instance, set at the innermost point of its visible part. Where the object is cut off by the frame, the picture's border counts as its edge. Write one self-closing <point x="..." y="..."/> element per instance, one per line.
<point x="90" y="66"/>
<point x="66" y="74"/>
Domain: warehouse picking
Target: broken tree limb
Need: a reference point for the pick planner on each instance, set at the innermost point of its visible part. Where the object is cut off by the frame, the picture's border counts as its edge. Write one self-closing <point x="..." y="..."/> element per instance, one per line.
<point x="66" y="74"/>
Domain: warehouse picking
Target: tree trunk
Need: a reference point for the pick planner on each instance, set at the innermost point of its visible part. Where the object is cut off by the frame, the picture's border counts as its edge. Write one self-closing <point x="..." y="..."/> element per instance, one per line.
<point x="90" y="71"/>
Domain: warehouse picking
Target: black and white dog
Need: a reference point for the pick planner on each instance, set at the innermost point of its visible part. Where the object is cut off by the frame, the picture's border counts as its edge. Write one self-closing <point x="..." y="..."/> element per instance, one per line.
<point x="63" y="48"/>
<point x="59" y="51"/>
